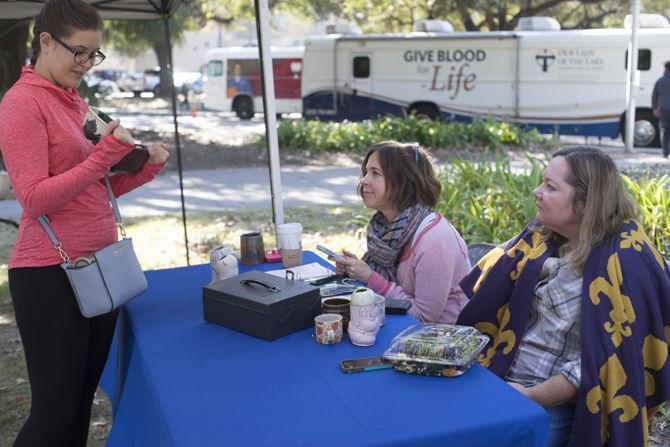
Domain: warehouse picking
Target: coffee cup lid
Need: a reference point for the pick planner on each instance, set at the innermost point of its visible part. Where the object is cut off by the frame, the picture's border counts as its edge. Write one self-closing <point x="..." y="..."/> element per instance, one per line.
<point x="291" y="227"/>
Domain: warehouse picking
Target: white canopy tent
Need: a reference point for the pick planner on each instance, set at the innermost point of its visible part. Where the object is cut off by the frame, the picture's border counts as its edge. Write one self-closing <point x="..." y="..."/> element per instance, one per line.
<point x="164" y="9"/>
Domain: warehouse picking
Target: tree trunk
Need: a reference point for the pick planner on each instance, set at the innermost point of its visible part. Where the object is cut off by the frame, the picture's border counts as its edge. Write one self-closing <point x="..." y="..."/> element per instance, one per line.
<point x="13" y="51"/>
<point x="161" y="48"/>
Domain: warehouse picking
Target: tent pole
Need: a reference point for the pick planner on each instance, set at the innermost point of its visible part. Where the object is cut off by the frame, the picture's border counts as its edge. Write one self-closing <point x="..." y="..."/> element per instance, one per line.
<point x="632" y="78"/>
<point x="269" y="110"/>
<point x="173" y="92"/>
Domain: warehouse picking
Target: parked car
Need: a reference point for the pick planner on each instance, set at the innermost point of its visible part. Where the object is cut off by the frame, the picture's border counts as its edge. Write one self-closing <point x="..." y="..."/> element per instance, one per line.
<point x="198" y="85"/>
<point x="131" y="82"/>
<point x="194" y="81"/>
<point x="111" y="74"/>
<point x="102" y="87"/>
<point x="152" y="80"/>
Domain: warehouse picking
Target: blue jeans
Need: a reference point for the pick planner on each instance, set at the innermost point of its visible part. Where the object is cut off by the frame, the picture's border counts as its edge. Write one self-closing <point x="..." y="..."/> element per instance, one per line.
<point x="560" y="424"/>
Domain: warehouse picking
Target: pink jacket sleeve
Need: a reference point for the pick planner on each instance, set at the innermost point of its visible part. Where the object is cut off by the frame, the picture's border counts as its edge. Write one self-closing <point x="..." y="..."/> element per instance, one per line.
<point x="27" y="161"/>
<point x="123" y="183"/>
<point x="434" y="258"/>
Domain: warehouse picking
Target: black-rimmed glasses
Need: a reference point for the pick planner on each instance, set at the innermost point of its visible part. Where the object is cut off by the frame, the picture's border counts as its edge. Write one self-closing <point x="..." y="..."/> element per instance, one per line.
<point x="81" y="57"/>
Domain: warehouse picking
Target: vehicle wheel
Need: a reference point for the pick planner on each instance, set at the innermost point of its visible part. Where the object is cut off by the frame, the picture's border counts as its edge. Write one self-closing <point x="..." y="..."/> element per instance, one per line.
<point x="243" y="108"/>
<point x="646" y="129"/>
<point x="425" y="112"/>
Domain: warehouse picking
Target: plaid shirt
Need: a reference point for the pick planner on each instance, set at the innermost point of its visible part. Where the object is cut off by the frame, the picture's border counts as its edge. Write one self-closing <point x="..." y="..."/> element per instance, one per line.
<point x="551" y="341"/>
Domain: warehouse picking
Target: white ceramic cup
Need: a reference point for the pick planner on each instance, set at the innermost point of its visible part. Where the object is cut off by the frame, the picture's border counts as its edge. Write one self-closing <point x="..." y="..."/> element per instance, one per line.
<point x="380" y="302"/>
<point x="364" y="324"/>
<point x="223" y="263"/>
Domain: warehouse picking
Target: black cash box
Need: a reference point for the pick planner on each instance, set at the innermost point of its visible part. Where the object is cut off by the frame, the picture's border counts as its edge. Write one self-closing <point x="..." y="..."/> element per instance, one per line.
<point x="242" y="304"/>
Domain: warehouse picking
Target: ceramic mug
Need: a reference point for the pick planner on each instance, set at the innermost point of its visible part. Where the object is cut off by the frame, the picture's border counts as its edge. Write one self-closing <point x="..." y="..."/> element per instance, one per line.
<point x="252" y="249"/>
<point x="337" y="305"/>
<point x="328" y="328"/>
<point x="223" y="263"/>
<point x="380" y="302"/>
<point x="364" y="324"/>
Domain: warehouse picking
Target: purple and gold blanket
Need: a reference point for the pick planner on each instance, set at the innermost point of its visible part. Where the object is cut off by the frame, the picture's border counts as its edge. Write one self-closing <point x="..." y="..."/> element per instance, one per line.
<point x="625" y="327"/>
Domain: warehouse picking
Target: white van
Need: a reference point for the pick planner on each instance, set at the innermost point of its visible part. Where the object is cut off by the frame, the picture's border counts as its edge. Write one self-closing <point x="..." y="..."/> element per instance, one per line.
<point x="566" y="82"/>
<point x="234" y="80"/>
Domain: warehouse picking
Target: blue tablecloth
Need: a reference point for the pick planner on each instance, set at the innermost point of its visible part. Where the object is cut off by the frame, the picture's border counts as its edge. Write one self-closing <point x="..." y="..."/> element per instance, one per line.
<point x="176" y="380"/>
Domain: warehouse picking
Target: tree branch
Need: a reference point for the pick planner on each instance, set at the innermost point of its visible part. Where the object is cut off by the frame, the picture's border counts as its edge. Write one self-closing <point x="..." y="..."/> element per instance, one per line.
<point x="587" y="20"/>
<point x="534" y="10"/>
<point x="222" y="20"/>
<point x="466" y="18"/>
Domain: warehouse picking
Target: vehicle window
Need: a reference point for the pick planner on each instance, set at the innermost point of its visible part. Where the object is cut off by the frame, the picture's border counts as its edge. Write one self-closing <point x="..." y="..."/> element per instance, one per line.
<point x="361" y="67"/>
<point x="643" y="59"/>
<point x="215" y="68"/>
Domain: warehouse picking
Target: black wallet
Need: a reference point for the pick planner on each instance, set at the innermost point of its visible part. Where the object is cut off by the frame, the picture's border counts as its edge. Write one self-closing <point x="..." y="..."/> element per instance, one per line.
<point x="133" y="161"/>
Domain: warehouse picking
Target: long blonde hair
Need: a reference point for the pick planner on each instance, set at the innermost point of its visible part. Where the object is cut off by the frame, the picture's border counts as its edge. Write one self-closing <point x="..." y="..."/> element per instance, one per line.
<point x="598" y="187"/>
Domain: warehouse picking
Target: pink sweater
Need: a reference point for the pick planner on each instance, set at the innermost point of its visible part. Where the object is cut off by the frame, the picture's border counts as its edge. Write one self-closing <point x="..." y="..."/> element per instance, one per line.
<point x="429" y="273"/>
<point x="56" y="171"/>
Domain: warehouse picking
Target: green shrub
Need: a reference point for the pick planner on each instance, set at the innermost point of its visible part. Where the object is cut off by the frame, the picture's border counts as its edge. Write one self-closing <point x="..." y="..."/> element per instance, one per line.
<point x="652" y="194"/>
<point x="488" y="202"/>
<point x="317" y="136"/>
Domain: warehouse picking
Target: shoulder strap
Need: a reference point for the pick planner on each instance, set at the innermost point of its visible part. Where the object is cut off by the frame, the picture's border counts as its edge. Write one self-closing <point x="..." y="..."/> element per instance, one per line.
<point x="112" y="200"/>
<point x="44" y="221"/>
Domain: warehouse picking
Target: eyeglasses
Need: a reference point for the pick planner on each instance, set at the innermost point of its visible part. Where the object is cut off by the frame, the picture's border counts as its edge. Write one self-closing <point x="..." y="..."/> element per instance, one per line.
<point x="81" y="57"/>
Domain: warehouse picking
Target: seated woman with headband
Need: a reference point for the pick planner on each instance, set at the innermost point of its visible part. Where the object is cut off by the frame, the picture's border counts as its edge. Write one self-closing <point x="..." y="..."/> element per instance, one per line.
<point x="413" y="252"/>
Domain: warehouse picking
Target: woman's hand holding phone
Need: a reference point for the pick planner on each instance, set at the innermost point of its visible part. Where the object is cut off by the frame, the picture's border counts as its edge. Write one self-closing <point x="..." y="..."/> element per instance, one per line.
<point x="158" y="153"/>
<point x="114" y="128"/>
<point x="353" y="267"/>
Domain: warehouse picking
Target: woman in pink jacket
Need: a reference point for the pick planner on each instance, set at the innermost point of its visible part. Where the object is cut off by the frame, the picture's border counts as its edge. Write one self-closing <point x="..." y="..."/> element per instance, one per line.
<point x="56" y="171"/>
<point x="413" y="253"/>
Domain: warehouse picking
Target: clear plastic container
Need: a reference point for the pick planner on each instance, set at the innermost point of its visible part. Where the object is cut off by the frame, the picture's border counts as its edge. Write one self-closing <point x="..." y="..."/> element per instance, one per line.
<point x="436" y="349"/>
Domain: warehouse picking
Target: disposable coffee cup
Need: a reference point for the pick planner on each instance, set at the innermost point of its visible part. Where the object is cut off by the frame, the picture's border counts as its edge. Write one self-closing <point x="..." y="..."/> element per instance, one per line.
<point x="289" y="241"/>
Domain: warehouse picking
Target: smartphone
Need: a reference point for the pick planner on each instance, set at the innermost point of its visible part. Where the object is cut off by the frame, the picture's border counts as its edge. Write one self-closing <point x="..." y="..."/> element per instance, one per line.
<point x="96" y="121"/>
<point x="365" y="364"/>
<point x="329" y="252"/>
<point x="397" y="307"/>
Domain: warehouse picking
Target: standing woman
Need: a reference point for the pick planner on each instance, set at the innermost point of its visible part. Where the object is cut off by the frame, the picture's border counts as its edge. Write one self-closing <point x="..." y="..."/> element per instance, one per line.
<point x="56" y="171"/>
<point x="414" y="253"/>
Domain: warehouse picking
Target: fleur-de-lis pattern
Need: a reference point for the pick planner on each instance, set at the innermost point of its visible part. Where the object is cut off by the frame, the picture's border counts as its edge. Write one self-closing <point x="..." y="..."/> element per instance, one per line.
<point x="499" y="334"/>
<point x="486" y="264"/>
<point x="604" y="398"/>
<point x="625" y="327"/>
<point x="622" y="315"/>
<point x="655" y="354"/>
<point x="533" y="251"/>
<point x="636" y="238"/>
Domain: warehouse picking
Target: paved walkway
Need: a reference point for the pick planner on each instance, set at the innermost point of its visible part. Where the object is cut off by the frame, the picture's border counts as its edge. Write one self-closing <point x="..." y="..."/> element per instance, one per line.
<point x="211" y="190"/>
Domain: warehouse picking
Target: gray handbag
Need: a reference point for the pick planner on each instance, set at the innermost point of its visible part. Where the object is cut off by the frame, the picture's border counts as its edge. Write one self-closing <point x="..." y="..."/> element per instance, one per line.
<point x="110" y="277"/>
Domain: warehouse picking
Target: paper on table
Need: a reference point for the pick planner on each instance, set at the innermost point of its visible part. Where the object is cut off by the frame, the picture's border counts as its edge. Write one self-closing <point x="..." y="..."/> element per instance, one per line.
<point x="305" y="271"/>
